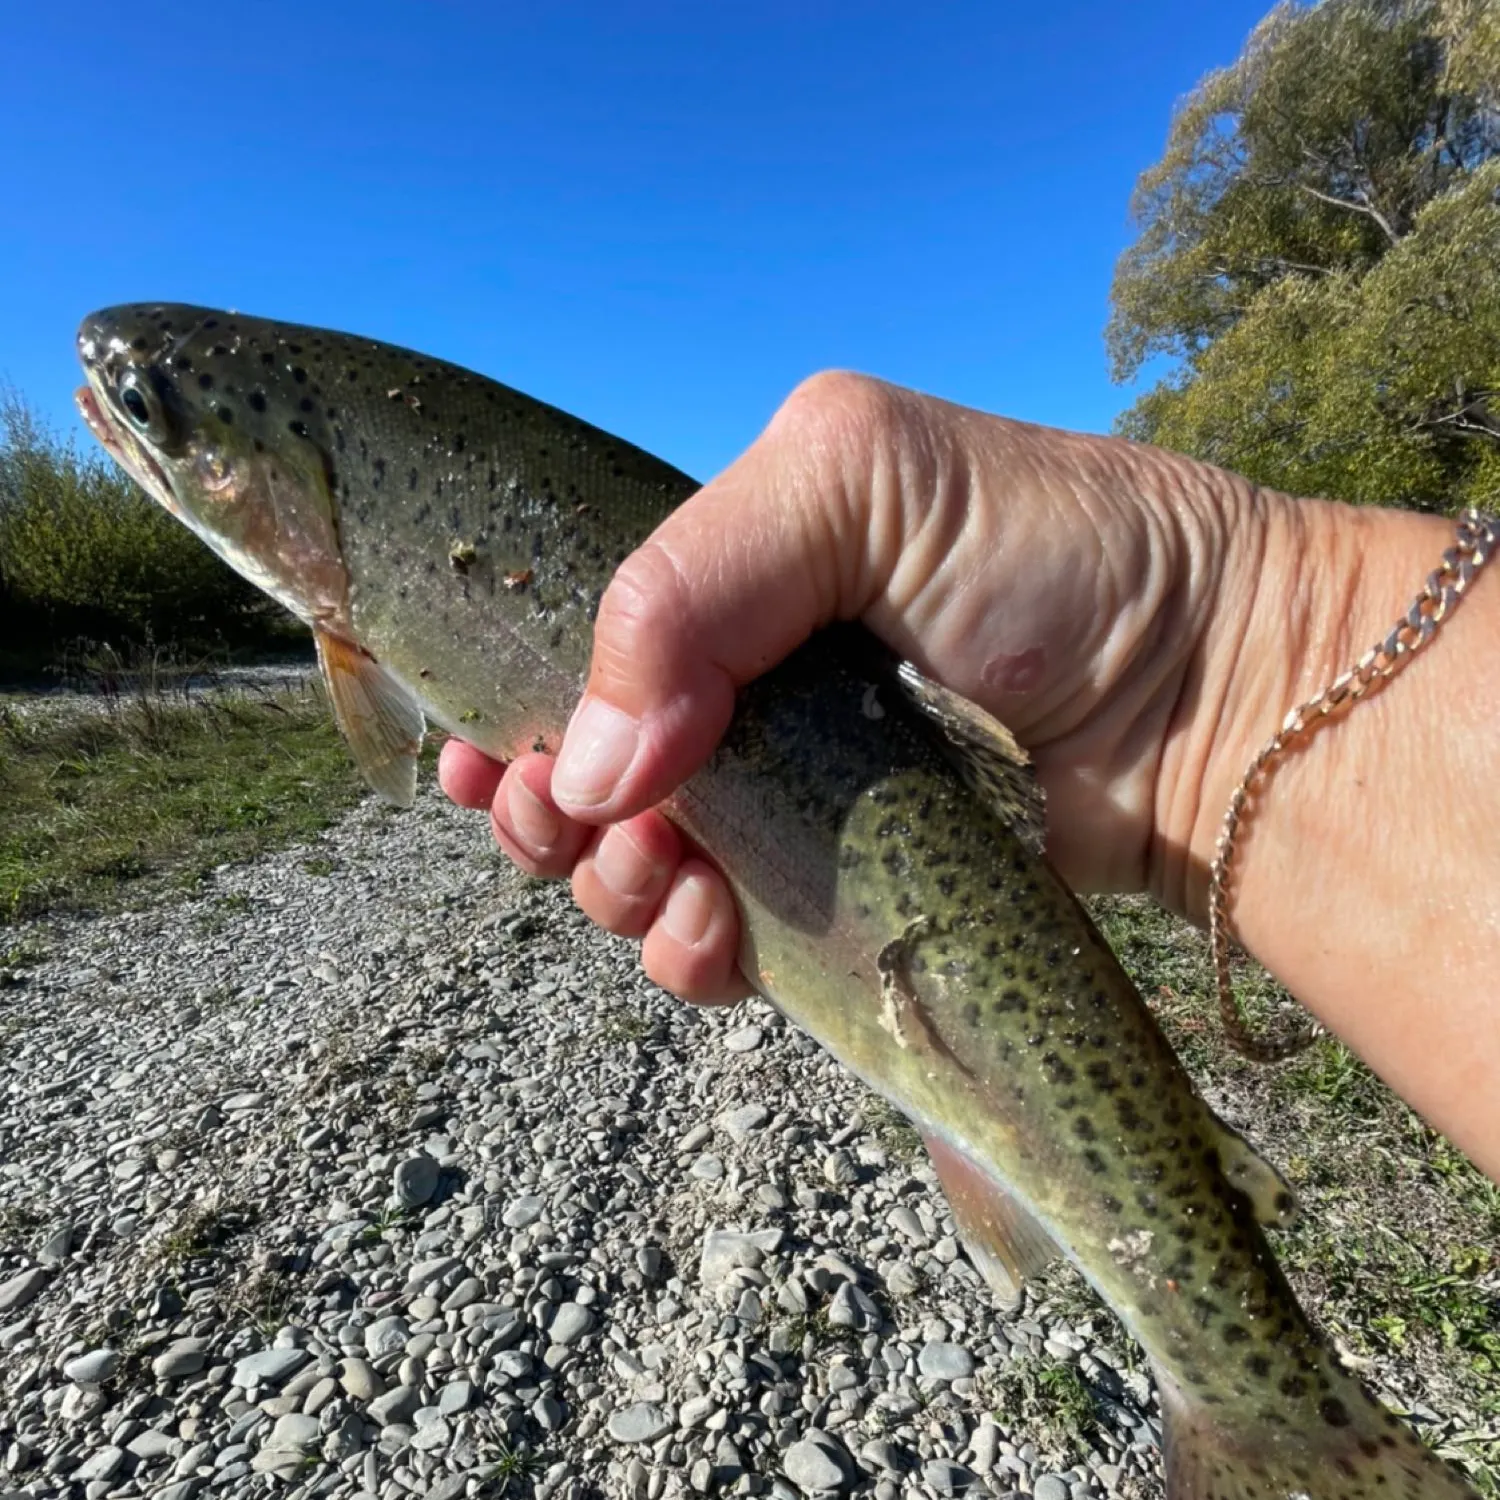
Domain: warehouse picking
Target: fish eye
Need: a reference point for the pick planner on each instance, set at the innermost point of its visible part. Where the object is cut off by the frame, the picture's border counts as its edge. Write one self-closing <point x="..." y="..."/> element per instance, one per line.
<point x="142" y="406"/>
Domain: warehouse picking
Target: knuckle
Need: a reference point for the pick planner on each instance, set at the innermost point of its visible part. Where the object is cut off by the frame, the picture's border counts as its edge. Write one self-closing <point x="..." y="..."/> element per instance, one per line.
<point x="636" y="609"/>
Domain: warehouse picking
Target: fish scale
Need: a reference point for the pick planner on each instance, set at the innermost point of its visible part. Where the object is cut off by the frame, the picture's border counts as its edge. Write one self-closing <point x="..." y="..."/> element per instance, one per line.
<point x="449" y="539"/>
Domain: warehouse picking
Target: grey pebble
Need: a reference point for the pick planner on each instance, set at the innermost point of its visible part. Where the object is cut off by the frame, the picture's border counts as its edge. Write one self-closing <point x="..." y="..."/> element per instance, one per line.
<point x="817" y="1462"/>
<point x="643" y="1422"/>
<point x="415" y="1180"/>
<point x="570" y="1323"/>
<point x="93" y="1368"/>
<point x="268" y="1366"/>
<point x="745" y="1039"/>
<point x="944" y="1361"/>
<point x="21" y="1288"/>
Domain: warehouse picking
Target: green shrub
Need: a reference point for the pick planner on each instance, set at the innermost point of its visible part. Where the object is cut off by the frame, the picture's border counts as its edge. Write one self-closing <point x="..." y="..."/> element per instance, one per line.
<point x="84" y="553"/>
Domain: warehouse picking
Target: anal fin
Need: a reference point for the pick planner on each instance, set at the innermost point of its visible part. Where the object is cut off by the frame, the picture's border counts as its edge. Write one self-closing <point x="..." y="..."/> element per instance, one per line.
<point x="1004" y="1241"/>
<point x="381" y="722"/>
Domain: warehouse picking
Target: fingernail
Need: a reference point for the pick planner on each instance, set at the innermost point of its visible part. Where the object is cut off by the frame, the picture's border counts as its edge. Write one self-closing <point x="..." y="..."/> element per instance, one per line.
<point x="621" y="864"/>
<point x="535" y="823"/>
<point x="596" y="753"/>
<point x="688" y="911"/>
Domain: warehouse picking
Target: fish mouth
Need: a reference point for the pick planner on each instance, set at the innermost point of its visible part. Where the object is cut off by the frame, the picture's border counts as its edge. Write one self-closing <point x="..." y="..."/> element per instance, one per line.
<point x="131" y="456"/>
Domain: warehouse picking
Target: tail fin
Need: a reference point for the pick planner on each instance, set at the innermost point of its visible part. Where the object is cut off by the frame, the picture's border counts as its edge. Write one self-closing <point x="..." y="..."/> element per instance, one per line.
<point x="1347" y="1447"/>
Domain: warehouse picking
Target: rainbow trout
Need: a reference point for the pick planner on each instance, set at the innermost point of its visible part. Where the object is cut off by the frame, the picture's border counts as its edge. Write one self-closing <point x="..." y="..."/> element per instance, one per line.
<point x="448" y="540"/>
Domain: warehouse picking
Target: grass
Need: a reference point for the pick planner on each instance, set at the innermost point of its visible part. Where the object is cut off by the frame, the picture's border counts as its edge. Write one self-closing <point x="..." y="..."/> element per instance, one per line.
<point x="99" y="809"/>
<point x="1395" y="1253"/>
<point x="892" y="1129"/>
<point x="1050" y="1402"/>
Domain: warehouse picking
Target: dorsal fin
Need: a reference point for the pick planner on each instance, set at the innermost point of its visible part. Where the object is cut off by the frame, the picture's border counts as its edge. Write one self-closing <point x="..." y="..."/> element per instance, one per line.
<point x="994" y="766"/>
<point x="380" y="720"/>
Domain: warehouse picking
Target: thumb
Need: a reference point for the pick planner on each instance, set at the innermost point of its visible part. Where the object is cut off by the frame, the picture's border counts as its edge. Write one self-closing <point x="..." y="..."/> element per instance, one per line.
<point x="731" y="583"/>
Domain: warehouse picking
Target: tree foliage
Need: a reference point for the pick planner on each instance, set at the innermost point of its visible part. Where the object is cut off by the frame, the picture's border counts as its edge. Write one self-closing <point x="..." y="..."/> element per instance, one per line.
<point x="1320" y="253"/>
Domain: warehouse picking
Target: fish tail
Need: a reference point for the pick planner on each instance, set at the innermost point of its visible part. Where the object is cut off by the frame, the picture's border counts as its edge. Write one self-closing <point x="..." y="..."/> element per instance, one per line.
<point x="1344" y="1447"/>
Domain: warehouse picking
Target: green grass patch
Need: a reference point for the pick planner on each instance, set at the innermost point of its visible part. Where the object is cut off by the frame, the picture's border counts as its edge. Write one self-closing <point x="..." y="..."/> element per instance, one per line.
<point x="101" y="808"/>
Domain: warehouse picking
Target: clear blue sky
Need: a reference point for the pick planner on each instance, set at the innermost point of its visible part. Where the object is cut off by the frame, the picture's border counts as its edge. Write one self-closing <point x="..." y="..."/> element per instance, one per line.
<point x="659" y="216"/>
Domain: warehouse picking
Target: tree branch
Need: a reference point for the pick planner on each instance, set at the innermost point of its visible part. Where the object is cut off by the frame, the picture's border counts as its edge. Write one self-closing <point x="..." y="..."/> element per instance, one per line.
<point x="1368" y="209"/>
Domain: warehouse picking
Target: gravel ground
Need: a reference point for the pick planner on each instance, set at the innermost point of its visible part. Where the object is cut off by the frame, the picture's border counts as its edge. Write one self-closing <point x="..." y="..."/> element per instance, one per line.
<point x="375" y="1170"/>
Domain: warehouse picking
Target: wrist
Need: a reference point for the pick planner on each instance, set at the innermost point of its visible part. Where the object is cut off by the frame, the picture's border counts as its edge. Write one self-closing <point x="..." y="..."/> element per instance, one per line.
<point x="1362" y="878"/>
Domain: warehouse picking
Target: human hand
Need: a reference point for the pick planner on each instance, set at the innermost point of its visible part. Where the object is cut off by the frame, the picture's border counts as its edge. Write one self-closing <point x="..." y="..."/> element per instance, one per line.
<point x="1066" y="583"/>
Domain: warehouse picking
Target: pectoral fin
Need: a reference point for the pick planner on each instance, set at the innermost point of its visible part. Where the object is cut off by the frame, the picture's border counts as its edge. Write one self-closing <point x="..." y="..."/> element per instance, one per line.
<point x="995" y="768"/>
<point x="379" y="719"/>
<point x="1004" y="1241"/>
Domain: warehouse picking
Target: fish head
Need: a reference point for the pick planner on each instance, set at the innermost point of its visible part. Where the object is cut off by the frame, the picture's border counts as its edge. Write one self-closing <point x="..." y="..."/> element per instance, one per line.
<point x="216" y="418"/>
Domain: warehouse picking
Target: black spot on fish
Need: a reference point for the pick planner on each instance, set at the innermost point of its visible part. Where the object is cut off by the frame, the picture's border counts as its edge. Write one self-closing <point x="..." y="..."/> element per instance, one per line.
<point x="297" y="429"/>
<point x="224" y="414"/>
<point x="299" y="374"/>
<point x="1258" y="1365"/>
<point x="1110" y="1204"/>
<point x="1094" y="1162"/>
<point x="1057" y="1069"/>
<point x="1293" y="1385"/>
<point x="1334" y="1412"/>
<point x="1234" y="1333"/>
<point x="257" y="400"/>
<point x="205" y="381"/>
<point x="1083" y="1128"/>
<point x="378" y="475"/>
<point x="1102" y="1076"/>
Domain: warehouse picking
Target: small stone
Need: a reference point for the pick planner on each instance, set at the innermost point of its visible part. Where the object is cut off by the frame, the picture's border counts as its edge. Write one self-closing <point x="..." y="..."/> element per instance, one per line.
<point x="359" y="1380"/>
<point x="21" y="1288"/>
<point x="93" y="1368"/>
<point x="852" y="1308"/>
<point x="524" y="1212"/>
<point x="903" y="1219"/>
<point x="549" y="1412"/>
<point x="101" y="1464"/>
<point x="455" y="1397"/>
<point x="293" y="1432"/>
<point x="56" y="1246"/>
<point x="696" y="1409"/>
<point x="941" y="1361"/>
<point x="725" y="1251"/>
<point x="839" y="1169"/>
<point x="817" y="1462"/>
<point x="397" y="1405"/>
<point x="268" y="1367"/>
<point x="152" y="1444"/>
<point x="179" y="1358"/>
<point x="433" y="1432"/>
<point x="707" y="1168"/>
<point x="386" y="1336"/>
<point x="740" y="1124"/>
<point x="415" y="1180"/>
<point x="1050" y="1487"/>
<point x="642" y="1423"/>
<point x="745" y="1039"/>
<point x="950" y="1478"/>
<point x="570" y="1323"/>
